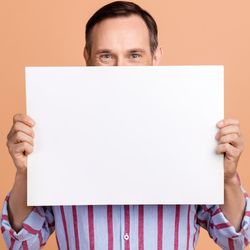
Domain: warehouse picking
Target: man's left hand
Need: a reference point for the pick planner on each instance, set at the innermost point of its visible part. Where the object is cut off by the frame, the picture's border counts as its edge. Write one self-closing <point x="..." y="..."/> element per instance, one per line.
<point x="230" y="143"/>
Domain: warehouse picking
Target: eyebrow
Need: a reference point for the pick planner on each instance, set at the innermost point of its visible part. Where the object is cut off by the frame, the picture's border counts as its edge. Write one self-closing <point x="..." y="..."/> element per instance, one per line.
<point x="134" y="50"/>
<point x="100" y="51"/>
<point x="137" y="50"/>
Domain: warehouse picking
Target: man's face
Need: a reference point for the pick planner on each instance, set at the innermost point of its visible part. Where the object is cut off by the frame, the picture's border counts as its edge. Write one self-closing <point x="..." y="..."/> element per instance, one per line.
<point x="121" y="41"/>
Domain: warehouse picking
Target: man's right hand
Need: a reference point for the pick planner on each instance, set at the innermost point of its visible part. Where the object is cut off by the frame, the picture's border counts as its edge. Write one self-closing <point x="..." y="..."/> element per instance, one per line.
<point x="20" y="145"/>
<point x="20" y="140"/>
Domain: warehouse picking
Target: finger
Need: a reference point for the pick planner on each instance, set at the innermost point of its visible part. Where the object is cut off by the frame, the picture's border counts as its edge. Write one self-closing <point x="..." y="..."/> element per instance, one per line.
<point x="21" y="127"/>
<point x="233" y="139"/>
<point x="21" y="137"/>
<point x="24" y="119"/>
<point x="232" y="129"/>
<point x="22" y="148"/>
<point x="227" y="122"/>
<point x="228" y="149"/>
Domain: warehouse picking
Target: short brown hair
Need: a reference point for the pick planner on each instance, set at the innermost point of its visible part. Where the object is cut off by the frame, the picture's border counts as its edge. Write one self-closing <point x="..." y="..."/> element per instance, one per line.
<point x="122" y="9"/>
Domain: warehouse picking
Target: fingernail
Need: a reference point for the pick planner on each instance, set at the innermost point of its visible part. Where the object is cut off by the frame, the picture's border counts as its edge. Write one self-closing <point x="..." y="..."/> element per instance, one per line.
<point x="219" y="124"/>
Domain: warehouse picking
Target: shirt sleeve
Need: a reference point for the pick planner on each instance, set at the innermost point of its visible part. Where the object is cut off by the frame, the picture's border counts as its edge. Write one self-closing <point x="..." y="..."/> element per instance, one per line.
<point x="37" y="227"/>
<point x="221" y="230"/>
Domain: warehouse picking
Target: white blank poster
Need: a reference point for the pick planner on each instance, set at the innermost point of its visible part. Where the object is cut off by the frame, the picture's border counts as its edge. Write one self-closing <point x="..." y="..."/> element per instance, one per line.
<point x="125" y="135"/>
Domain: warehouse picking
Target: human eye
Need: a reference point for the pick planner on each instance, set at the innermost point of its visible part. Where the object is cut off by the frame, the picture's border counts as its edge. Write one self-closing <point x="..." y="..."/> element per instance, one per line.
<point x="105" y="57"/>
<point x="136" y="55"/>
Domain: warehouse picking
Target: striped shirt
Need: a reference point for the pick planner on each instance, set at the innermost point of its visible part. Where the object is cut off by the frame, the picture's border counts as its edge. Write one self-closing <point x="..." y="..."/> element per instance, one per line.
<point x="126" y="227"/>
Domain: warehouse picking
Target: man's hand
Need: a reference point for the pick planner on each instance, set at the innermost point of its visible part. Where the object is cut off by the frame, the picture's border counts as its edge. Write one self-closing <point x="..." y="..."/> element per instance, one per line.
<point x="231" y="144"/>
<point x="20" y="140"/>
<point x="20" y="145"/>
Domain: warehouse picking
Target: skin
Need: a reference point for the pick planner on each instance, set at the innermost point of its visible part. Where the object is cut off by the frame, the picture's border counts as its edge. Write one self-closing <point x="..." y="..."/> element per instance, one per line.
<point x="123" y="41"/>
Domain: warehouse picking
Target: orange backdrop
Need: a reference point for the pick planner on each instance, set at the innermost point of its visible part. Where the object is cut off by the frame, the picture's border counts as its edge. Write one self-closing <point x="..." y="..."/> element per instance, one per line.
<point x="51" y="33"/>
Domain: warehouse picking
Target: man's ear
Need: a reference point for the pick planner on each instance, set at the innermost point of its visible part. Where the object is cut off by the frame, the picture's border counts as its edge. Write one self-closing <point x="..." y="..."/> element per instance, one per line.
<point x="86" y="55"/>
<point x="157" y="56"/>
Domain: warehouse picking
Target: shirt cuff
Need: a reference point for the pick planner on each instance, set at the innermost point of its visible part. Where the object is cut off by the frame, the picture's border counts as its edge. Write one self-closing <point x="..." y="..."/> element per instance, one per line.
<point x="32" y="225"/>
<point x="223" y="225"/>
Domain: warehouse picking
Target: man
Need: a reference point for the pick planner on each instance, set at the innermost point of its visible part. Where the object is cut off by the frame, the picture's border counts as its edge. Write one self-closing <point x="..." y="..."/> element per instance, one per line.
<point x="121" y="34"/>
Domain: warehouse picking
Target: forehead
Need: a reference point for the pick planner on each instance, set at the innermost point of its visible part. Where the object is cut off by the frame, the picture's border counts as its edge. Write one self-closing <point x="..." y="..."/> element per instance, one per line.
<point x="123" y="32"/>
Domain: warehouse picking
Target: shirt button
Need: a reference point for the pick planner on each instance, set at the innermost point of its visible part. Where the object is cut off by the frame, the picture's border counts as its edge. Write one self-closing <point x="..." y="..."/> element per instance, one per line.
<point x="126" y="236"/>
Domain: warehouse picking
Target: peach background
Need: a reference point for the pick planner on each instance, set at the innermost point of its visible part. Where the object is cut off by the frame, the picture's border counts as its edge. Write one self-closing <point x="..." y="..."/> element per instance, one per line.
<point x="51" y="33"/>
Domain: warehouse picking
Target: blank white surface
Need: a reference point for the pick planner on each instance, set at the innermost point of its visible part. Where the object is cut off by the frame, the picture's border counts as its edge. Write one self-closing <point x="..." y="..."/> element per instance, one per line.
<point x="125" y="135"/>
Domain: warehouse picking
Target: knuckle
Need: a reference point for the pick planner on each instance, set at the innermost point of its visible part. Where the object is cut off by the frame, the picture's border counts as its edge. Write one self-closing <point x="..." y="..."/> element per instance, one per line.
<point x="8" y="137"/>
<point x="227" y="146"/>
<point x="15" y="117"/>
<point x="11" y="151"/>
<point x="18" y="117"/>
<point x="16" y="127"/>
<point x="222" y="139"/>
<point x="233" y="137"/>
<point x="236" y="136"/>
<point x="223" y="131"/>
<point x="27" y="146"/>
<point x="223" y="148"/>
<point x="9" y="146"/>
<point x="18" y="135"/>
<point x="7" y="143"/>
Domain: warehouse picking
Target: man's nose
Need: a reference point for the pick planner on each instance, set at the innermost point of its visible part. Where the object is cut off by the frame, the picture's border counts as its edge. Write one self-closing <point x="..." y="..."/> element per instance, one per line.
<point x="120" y="61"/>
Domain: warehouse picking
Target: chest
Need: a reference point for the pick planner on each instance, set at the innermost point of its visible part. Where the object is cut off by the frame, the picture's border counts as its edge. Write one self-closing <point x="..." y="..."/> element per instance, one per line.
<point x="126" y="227"/>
